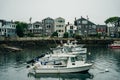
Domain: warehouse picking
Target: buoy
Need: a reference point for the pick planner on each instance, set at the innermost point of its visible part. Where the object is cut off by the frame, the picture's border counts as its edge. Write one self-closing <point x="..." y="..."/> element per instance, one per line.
<point x="89" y="53"/>
<point x="106" y="70"/>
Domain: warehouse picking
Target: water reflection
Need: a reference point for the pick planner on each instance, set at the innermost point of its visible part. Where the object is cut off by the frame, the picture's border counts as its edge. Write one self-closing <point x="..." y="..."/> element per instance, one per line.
<point x="69" y="76"/>
<point x="13" y="65"/>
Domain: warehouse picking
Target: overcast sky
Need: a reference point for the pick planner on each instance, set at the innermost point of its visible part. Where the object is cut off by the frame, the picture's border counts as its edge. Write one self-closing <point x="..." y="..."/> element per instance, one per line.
<point x="97" y="10"/>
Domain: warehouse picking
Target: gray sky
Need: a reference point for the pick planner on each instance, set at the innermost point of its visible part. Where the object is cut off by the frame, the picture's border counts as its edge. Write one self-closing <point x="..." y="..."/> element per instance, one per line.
<point x="97" y="10"/>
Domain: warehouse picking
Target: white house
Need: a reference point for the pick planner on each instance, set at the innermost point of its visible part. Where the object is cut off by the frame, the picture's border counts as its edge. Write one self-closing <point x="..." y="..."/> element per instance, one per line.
<point x="59" y="26"/>
<point x="70" y="29"/>
<point x="7" y="28"/>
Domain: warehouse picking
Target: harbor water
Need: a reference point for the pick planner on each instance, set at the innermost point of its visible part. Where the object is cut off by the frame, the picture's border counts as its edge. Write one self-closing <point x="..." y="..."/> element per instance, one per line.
<point x="106" y="65"/>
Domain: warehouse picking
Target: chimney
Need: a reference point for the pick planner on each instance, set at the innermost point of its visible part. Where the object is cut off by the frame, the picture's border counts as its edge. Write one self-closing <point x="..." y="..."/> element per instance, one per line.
<point x="81" y="17"/>
<point x="87" y="17"/>
<point x="12" y="21"/>
<point x="68" y="23"/>
<point x="75" y="18"/>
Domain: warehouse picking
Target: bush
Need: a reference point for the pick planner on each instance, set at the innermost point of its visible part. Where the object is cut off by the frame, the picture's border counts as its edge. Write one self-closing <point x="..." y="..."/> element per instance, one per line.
<point x="30" y="35"/>
<point x="65" y="35"/>
<point x="78" y="37"/>
<point x="55" y="34"/>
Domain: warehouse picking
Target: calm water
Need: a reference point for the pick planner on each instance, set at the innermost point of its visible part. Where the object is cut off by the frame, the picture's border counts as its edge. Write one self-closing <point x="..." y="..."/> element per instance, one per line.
<point x="13" y="66"/>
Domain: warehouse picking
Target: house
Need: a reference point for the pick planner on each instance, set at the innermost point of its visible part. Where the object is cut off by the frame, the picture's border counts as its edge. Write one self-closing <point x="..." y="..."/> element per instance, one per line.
<point x="36" y="28"/>
<point x="85" y="27"/>
<point x="101" y="29"/>
<point x="7" y="28"/>
<point x="48" y="26"/>
<point x="70" y="29"/>
<point x="59" y="26"/>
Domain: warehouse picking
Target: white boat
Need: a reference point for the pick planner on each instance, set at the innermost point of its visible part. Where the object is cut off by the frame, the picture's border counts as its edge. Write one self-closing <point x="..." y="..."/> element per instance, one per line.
<point x="115" y="45"/>
<point x="72" y="44"/>
<point x="58" y="51"/>
<point x="71" y="64"/>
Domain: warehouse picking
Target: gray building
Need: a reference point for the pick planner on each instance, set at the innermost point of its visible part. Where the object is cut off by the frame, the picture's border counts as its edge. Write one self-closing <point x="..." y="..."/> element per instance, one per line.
<point x="36" y="28"/>
<point x="48" y="26"/>
<point x="85" y="27"/>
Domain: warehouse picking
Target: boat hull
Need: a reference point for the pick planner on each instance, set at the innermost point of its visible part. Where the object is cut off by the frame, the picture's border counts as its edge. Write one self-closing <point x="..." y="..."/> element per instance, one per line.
<point x="115" y="47"/>
<point x="63" y="70"/>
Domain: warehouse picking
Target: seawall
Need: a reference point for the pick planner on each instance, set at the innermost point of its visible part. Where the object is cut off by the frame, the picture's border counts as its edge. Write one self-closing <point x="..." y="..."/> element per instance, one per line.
<point x="25" y="42"/>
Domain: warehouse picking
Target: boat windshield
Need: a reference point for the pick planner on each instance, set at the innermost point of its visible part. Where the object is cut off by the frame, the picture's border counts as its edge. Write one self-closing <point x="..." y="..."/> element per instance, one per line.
<point x="73" y="59"/>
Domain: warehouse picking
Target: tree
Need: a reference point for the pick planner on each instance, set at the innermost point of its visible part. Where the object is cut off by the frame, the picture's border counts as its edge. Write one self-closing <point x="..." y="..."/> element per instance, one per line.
<point x="20" y="27"/>
<point x="55" y="34"/>
<point x="66" y="35"/>
<point x="111" y="20"/>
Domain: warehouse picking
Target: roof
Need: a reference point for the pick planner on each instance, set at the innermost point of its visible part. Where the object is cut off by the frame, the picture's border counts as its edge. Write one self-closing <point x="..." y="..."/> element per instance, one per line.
<point x="81" y="19"/>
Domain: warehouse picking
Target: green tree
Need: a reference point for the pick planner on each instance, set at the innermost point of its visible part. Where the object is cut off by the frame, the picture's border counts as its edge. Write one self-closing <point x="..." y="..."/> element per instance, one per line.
<point x="20" y="27"/>
<point x="55" y="34"/>
<point x="111" y="20"/>
<point x="66" y="35"/>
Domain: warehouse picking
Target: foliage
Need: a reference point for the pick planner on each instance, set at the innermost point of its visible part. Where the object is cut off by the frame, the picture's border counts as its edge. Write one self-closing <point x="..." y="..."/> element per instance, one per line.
<point x="55" y="34"/>
<point x="76" y="36"/>
<point x="111" y="20"/>
<point x="20" y="26"/>
<point x="99" y="35"/>
<point x="66" y="35"/>
<point x="30" y="34"/>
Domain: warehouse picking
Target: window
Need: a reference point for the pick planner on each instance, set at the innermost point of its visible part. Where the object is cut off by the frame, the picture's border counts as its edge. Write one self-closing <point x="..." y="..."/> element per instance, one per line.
<point x="59" y="31"/>
<point x="71" y="32"/>
<point x="72" y="59"/>
<point x="71" y="27"/>
<point x="48" y="26"/>
<point x="84" y="22"/>
<point x="93" y="26"/>
<point x="36" y="26"/>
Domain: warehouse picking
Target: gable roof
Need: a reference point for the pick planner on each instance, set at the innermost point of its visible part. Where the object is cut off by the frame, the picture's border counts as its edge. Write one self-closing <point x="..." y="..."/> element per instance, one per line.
<point x="89" y="22"/>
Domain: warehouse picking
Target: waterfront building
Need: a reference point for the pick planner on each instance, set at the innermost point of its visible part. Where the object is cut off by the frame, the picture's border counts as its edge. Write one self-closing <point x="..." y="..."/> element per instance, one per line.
<point x="85" y="27"/>
<point x="36" y="28"/>
<point x="70" y="29"/>
<point x="7" y="28"/>
<point x="59" y="26"/>
<point x="101" y="29"/>
<point x="48" y="26"/>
